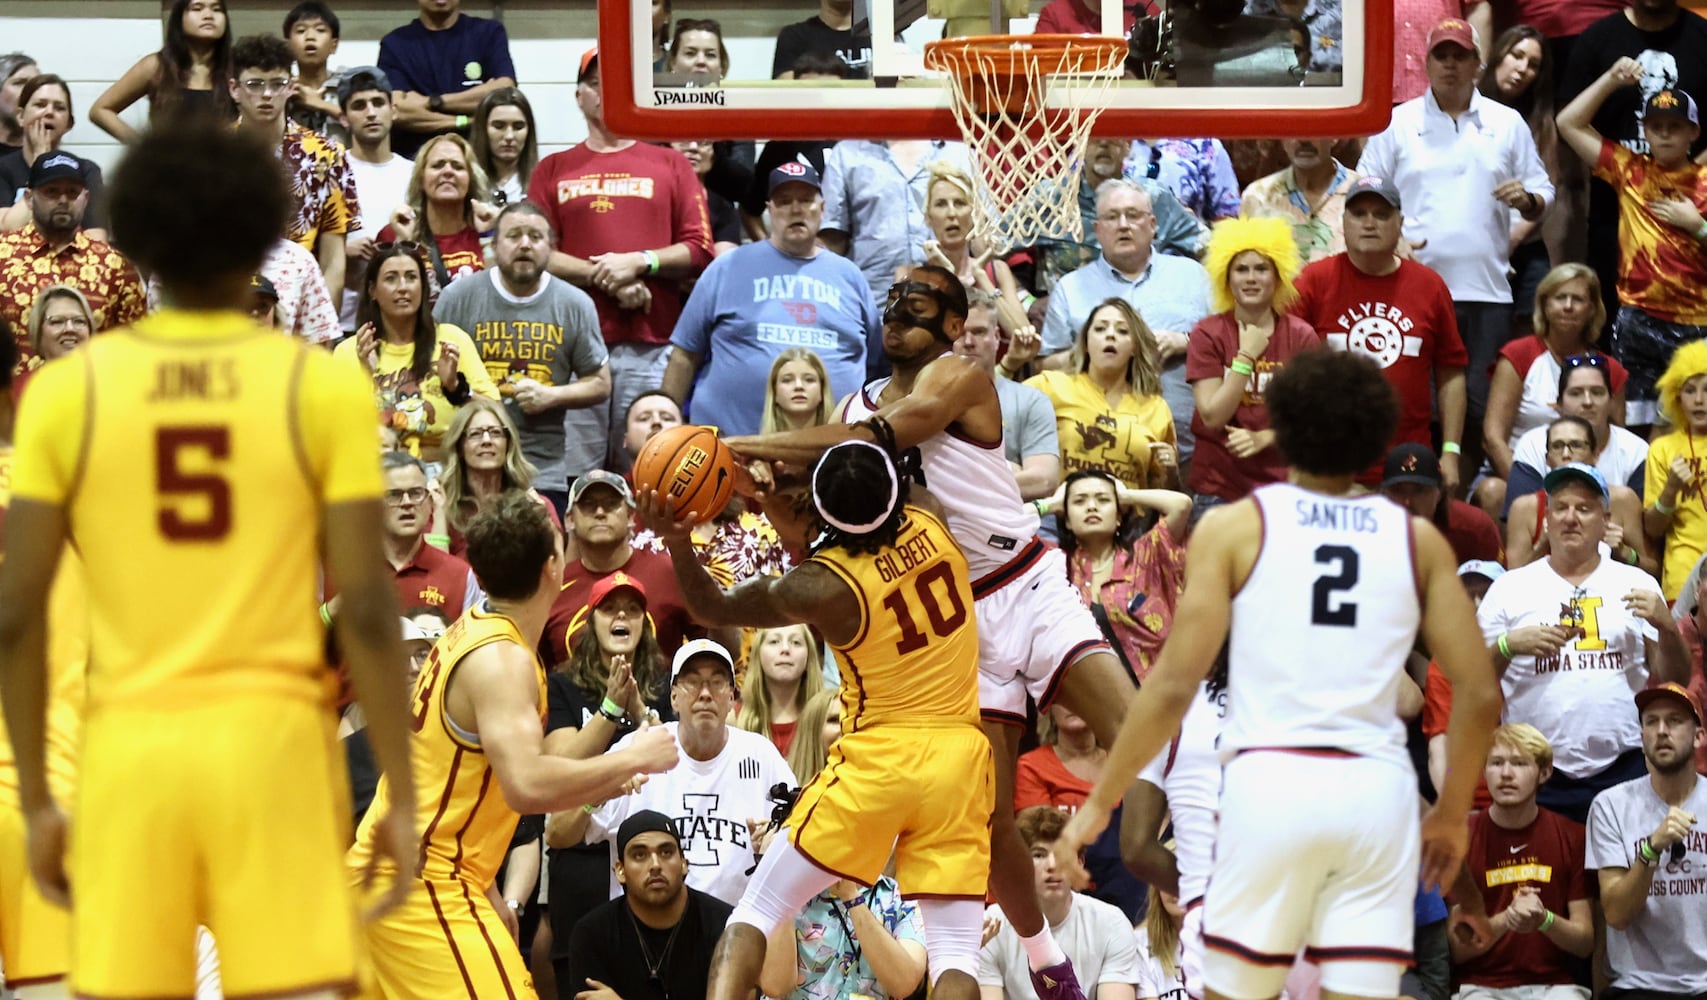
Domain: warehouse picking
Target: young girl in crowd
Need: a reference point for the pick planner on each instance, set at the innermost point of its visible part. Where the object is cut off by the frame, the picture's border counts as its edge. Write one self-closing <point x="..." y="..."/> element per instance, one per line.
<point x="1128" y="577"/>
<point x="1520" y="76"/>
<point x="823" y="716"/>
<point x="784" y="672"/>
<point x="794" y="395"/>
<point x="1675" y="465"/>
<point x="1159" y="974"/>
<point x="187" y="76"/>
<point x="505" y="143"/>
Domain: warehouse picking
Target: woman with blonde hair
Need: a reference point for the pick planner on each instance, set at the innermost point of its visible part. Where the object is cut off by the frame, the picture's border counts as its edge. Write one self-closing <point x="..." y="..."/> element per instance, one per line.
<point x="949" y="199"/>
<point x="784" y="671"/>
<point x="1235" y="351"/>
<point x="1159" y="970"/>
<point x="821" y="721"/>
<point x="446" y="208"/>
<point x="1109" y="409"/>
<point x="60" y="322"/>
<point x="796" y="394"/>
<point x="482" y="461"/>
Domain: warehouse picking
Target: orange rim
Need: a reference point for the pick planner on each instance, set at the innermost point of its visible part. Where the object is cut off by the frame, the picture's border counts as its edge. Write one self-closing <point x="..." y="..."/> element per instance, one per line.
<point x="1015" y="55"/>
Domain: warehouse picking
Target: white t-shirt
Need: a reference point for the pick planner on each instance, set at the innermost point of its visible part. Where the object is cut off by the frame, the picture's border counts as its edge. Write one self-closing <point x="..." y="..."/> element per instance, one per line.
<point x="1625" y="454"/>
<point x="1153" y="979"/>
<point x="1662" y="950"/>
<point x="711" y="802"/>
<point x="380" y="188"/>
<point x="1096" y="936"/>
<point x="1189" y="772"/>
<point x="1580" y="699"/>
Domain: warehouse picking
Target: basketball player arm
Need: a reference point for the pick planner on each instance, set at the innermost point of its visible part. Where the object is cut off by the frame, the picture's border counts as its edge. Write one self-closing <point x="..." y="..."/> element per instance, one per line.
<point x="499" y="685"/>
<point x="807" y="594"/>
<point x="35" y="534"/>
<point x="1576" y="120"/>
<point x="1140" y="837"/>
<point x="1465" y="662"/>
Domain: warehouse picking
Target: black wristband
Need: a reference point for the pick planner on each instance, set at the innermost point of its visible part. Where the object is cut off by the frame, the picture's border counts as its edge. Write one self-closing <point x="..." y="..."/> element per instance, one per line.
<point x="461" y="392"/>
<point x="436" y="103"/>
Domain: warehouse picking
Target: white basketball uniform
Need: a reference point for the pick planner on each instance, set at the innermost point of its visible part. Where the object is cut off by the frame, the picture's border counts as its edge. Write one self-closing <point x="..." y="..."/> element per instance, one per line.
<point x="1032" y="625"/>
<point x="1189" y="773"/>
<point x="1318" y="844"/>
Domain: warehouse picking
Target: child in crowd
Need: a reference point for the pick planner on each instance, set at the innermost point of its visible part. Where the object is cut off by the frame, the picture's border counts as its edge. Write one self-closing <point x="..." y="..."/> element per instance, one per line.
<point x="311" y="31"/>
<point x="1675" y="509"/>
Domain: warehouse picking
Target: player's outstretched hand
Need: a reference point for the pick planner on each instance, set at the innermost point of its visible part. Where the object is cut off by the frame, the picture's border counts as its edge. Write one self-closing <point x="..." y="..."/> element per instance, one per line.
<point x="48" y="831"/>
<point x="658" y="512"/>
<point x="397" y="844"/>
<point x="1086" y="826"/>
<point x="656" y="750"/>
<point x="1445" y="837"/>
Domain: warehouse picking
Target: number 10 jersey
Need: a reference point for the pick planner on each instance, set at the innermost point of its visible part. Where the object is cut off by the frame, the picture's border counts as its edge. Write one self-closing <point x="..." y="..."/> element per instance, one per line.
<point x="1323" y="625"/>
<point x="194" y="455"/>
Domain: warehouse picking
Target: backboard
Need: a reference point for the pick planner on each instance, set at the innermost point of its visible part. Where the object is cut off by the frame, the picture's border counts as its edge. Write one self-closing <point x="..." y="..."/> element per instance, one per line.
<point x="1198" y="68"/>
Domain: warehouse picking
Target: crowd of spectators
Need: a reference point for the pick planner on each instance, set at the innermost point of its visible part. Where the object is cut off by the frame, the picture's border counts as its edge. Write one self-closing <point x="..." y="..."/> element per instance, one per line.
<point x="530" y="321"/>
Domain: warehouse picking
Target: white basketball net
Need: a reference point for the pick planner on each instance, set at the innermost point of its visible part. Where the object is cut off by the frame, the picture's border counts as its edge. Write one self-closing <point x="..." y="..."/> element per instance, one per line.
<point x="1026" y="111"/>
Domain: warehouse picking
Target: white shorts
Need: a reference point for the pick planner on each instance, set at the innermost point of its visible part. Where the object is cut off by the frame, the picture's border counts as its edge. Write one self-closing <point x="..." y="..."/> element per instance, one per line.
<point x="1191" y="951"/>
<point x="1317" y="850"/>
<point x="1032" y="626"/>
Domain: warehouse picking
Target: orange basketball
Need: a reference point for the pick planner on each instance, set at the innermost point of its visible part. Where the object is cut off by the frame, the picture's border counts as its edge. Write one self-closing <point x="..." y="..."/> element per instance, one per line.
<point x="691" y="466"/>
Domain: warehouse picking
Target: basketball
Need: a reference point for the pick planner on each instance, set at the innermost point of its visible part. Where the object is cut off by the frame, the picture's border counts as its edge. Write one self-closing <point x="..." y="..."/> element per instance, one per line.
<point x="689" y="465"/>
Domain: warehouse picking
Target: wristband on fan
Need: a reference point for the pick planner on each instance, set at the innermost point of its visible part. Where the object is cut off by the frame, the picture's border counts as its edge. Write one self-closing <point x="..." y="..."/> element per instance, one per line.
<point x="326" y="614"/>
<point x="1660" y="505"/>
<point x="1241" y="367"/>
<point x="1645" y="850"/>
<point x="1701" y="234"/>
<point x="462" y="123"/>
<point x="1503" y="646"/>
<point x="651" y="261"/>
<point x="1450" y="448"/>
<point x="612" y="711"/>
<point x="1547" y="922"/>
<point x="439" y="542"/>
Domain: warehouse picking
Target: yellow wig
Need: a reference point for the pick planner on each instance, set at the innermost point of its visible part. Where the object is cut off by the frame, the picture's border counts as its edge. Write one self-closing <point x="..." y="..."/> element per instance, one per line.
<point x="1688" y="361"/>
<point x="1270" y="237"/>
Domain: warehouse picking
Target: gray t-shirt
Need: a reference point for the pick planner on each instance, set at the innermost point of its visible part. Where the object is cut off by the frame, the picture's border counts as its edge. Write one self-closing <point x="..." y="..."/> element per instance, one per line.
<point x="1028" y="422"/>
<point x="1665" y="947"/>
<point x="552" y="337"/>
<point x="1095" y="935"/>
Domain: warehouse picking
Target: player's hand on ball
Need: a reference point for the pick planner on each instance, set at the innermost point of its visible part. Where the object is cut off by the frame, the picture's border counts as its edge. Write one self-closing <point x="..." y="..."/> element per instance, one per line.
<point x="658" y="513"/>
<point x="396" y="843"/>
<point x="1445" y="837"/>
<point x="48" y="831"/>
<point x="1085" y="827"/>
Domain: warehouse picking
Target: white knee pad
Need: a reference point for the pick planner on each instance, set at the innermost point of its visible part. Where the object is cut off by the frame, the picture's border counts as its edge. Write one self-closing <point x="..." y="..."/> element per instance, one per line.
<point x="781" y="887"/>
<point x="953" y="928"/>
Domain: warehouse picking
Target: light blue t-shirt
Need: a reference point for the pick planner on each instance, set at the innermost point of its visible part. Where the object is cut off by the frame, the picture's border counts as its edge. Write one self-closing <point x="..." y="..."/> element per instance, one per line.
<point x="755" y="302"/>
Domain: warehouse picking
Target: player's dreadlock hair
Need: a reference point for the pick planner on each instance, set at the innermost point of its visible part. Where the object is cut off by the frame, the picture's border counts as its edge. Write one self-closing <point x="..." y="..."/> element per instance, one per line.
<point x="859" y="492"/>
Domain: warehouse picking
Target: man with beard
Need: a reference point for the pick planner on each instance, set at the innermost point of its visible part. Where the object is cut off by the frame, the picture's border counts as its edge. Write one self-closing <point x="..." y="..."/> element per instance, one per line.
<point x="1310" y="194"/>
<point x="759" y="300"/>
<point x="539" y="337"/>
<point x="53" y="250"/>
<point x="1644" y="838"/>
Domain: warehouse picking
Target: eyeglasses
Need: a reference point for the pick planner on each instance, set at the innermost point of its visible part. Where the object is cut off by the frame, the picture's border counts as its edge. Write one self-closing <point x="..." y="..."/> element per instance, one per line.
<point x="715" y="683"/>
<point x="1561" y="447"/>
<point x="397" y="498"/>
<point x="266" y="88"/>
<point x="66" y="323"/>
<point x="486" y="433"/>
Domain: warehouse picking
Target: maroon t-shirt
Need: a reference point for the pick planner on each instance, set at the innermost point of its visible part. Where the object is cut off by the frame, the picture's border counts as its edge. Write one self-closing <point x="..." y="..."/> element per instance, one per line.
<point x="1404" y="321"/>
<point x="642" y="197"/>
<point x="434" y="579"/>
<point x="1546" y="854"/>
<point x="1211" y="347"/>
<point x="663" y="605"/>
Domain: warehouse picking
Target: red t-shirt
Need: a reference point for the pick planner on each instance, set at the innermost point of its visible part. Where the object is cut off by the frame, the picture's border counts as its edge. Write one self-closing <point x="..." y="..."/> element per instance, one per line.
<point x="1564" y="18"/>
<point x="663" y="605"/>
<point x="641" y="197"/>
<point x="1437" y="708"/>
<point x="1546" y="854"/>
<point x="460" y="251"/>
<point x="434" y="579"/>
<point x="782" y="736"/>
<point x="1211" y="347"/>
<point x="1523" y="352"/>
<point x="1472" y="533"/>
<point x="1042" y="780"/>
<point x="1404" y="321"/>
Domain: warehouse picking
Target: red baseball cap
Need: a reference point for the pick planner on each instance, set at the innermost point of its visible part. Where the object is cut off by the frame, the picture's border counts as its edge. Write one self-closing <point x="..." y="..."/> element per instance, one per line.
<point x="1454" y="30"/>
<point x="588" y="60"/>
<point x="1648" y="696"/>
<point x="609" y="585"/>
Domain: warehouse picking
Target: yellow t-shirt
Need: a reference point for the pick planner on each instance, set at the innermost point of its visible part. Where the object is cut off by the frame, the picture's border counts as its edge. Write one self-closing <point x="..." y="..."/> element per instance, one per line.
<point x="465" y="821"/>
<point x="418" y="411"/>
<point x="1687" y="537"/>
<point x="1095" y="435"/>
<point x="67" y="661"/>
<point x="915" y="658"/>
<point x="195" y="454"/>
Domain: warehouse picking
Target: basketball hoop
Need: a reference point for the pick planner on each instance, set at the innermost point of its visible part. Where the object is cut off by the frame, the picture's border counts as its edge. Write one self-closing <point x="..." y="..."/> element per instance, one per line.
<point x="1026" y="104"/>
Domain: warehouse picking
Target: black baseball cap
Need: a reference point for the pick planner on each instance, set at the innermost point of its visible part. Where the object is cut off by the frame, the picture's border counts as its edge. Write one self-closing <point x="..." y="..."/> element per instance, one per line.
<point x="794" y="172"/>
<point x="1411" y="463"/>
<point x="56" y="165"/>
<point x="362" y="78"/>
<point x="645" y="821"/>
<point x="1671" y="103"/>
<point x="259" y="285"/>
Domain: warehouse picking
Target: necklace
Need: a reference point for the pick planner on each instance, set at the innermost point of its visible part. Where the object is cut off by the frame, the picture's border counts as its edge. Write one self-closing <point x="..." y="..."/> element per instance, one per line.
<point x="654" y="969"/>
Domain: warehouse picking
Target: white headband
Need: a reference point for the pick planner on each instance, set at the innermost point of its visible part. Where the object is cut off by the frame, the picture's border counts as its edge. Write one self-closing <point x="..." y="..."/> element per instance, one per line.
<point x="888" y="506"/>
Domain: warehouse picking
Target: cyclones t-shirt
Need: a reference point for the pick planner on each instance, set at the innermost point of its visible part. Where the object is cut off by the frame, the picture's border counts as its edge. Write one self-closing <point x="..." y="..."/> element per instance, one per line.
<point x="1403" y="321"/>
<point x="640" y="197"/>
<point x="1546" y="855"/>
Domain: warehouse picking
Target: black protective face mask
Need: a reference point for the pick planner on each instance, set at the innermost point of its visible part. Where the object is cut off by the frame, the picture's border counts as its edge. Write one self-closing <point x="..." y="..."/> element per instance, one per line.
<point x="900" y="310"/>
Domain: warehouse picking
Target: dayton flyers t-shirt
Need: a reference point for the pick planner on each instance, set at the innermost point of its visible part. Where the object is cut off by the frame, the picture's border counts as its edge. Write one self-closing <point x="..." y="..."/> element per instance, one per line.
<point x="1403" y="321"/>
